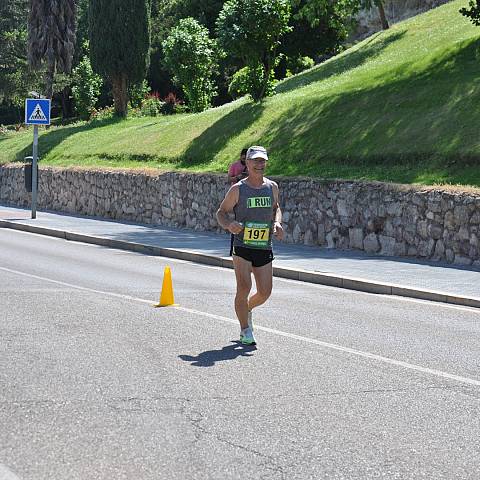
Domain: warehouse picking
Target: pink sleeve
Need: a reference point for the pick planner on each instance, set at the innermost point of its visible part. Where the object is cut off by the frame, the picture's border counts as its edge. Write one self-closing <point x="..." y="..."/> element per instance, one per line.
<point x="235" y="169"/>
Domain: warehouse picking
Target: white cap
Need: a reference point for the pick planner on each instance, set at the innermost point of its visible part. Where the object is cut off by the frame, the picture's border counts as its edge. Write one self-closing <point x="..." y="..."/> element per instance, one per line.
<point x="256" y="152"/>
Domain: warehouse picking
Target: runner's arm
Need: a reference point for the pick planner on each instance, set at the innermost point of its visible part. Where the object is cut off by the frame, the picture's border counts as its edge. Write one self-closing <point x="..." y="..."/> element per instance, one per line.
<point x="226" y="207"/>
<point x="277" y="213"/>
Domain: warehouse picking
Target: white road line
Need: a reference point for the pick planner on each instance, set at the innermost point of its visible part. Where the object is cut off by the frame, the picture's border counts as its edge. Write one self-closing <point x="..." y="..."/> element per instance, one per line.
<point x="78" y="287"/>
<point x="6" y="474"/>
<point x="340" y="348"/>
<point x="280" y="279"/>
<point x="331" y="346"/>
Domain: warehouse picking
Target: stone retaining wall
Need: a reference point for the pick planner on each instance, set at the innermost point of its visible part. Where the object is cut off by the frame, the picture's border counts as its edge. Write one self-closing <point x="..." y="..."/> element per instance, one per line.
<point x="368" y="21"/>
<point x="385" y="219"/>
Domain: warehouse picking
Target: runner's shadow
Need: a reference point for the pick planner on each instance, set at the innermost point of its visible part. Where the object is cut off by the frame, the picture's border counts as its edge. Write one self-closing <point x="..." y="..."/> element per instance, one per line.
<point x="229" y="352"/>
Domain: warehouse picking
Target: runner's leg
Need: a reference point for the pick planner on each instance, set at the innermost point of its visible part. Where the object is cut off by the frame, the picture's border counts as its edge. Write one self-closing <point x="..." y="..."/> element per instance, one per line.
<point x="263" y="280"/>
<point x="243" y="269"/>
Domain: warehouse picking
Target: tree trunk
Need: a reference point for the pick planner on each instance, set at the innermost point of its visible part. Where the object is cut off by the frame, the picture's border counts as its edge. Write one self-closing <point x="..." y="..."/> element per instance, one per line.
<point x="49" y="74"/>
<point x="383" y="17"/>
<point x="267" y="68"/>
<point x="119" y="87"/>
<point x="67" y="110"/>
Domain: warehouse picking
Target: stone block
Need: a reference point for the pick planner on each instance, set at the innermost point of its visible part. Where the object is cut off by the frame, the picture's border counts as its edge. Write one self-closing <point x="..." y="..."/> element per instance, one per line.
<point x="167" y="212"/>
<point x="321" y="234"/>
<point x="370" y="243"/>
<point x="439" y="251"/>
<point x="308" y="240"/>
<point x="461" y="215"/>
<point x="435" y="231"/>
<point x="400" y="249"/>
<point x="297" y="233"/>
<point x="475" y="218"/>
<point x="355" y="238"/>
<point x="387" y="245"/>
<point x="462" y="260"/>
<point x="422" y="229"/>
<point x="425" y="248"/>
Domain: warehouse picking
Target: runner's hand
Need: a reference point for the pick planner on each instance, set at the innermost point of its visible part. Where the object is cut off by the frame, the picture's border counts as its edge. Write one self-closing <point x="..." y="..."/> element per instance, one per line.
<point x="235" y="227"/>
<point x="278" y="230"/>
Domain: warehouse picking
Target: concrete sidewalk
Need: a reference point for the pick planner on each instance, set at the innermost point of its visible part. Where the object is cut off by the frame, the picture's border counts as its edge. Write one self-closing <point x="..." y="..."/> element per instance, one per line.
<point x="339" y="268"/>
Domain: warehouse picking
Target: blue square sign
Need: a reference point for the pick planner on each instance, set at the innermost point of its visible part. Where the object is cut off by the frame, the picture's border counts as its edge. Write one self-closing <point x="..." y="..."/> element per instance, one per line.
<point x="37" y="111"/>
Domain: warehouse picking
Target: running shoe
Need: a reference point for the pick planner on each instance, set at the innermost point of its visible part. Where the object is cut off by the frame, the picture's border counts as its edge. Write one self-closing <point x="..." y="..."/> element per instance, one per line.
<point x="246" y="337"/>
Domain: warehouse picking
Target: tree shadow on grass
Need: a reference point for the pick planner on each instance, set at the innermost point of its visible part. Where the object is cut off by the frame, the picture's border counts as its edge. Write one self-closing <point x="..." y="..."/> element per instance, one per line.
<point x="212" y="140"/>
<point x="55" y="136"/>
<point x="417" y="123"/>
<point x="337" y="66"/>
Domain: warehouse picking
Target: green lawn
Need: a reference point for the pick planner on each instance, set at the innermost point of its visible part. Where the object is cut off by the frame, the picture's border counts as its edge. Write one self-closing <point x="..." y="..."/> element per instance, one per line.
<point x="401" y="106"/>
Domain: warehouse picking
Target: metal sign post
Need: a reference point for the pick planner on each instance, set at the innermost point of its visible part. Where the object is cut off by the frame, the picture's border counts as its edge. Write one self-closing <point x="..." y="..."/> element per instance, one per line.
<point x="37" y="112"/>
<point x="34" y="171"/>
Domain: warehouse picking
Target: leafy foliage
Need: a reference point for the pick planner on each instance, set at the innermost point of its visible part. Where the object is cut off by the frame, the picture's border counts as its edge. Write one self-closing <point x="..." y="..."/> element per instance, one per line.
<point x="172" y="104"/>
<point x="473" y="12"/>
<point x="138" y="93"/>
<point x="191" y="57"/>
<point x="250" y="30"/>
<point x="239" y="83"/>
<point x="204" y="11"/>
<point x="86" y="88"/>
<point x="151" y="106"/>
<point x="15" y="78"/>
<point x="294" y="65"/>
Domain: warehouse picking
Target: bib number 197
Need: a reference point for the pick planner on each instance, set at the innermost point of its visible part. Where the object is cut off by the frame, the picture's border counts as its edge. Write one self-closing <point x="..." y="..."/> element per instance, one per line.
<point x="256" y="234"/>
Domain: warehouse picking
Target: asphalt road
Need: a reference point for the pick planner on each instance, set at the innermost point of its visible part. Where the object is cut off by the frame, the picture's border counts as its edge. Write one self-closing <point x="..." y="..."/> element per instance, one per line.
<point x="95" y="383"/>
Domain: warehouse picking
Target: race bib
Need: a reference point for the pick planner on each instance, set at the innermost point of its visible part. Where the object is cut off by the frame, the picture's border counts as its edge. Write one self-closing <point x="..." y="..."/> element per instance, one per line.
<point x="256" y="234"/>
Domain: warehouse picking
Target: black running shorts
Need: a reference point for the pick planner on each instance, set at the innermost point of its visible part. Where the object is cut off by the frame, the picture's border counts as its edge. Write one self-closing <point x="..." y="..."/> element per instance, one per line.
<point x="258" y="257"/>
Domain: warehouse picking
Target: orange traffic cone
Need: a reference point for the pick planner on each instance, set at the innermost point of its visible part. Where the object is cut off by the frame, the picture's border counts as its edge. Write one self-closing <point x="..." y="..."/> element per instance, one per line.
<point x="166" y="296"/>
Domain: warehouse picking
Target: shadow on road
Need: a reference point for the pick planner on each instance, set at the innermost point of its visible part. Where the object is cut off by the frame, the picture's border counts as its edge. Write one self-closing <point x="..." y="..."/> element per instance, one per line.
<point x="229" y="352"/>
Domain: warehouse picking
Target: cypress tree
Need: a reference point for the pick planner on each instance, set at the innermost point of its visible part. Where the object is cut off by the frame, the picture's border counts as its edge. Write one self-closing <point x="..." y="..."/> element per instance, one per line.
<point x="51" y="37"/>
<point x="120" y="44"/>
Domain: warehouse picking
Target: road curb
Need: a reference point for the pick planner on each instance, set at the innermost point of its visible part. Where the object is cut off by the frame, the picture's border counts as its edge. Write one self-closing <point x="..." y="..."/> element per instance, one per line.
<point x="349" y="283"/>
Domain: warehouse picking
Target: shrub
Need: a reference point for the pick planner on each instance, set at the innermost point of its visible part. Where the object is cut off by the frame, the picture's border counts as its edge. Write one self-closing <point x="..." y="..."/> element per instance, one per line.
<point x="138" y="93"/>
<point x="238" y="86"/>
<point x="102" y="113"/>
<point x="151" y="106"/>
<point x="86" y="88"/>
<point x="191" y="56"/>
<point x="172" y="104"/>
<point x="294" y="65"/>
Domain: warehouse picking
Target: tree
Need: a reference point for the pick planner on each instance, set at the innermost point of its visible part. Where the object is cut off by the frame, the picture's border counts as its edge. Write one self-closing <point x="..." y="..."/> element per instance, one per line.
<point x="120" y="44"/>
<point x="204" y="11"/>
<point x="15" y="78"/>
<point x="251" y="30"/>
<point x="319" y="27"/>
<point x="190" y="55"/>
<point x="51" y="37"/>
<point x="369" y="4"/>
<point x="473" y="13"/>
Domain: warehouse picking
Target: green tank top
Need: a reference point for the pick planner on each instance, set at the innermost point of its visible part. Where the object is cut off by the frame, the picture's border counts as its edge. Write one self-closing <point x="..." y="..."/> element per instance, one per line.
<point x="255" y="211"/>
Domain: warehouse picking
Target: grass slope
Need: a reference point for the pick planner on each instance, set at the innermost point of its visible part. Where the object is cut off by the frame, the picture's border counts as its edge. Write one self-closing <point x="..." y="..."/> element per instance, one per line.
<point x="400" y="106"/>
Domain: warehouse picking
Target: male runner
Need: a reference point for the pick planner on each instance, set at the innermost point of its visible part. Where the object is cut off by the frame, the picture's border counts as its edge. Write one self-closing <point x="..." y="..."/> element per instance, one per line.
<point x="255" y="202"/>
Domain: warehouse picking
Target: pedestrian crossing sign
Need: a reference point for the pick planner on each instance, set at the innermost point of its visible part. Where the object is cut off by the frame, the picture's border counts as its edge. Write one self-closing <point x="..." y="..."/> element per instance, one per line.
<point x="37" y="111"/>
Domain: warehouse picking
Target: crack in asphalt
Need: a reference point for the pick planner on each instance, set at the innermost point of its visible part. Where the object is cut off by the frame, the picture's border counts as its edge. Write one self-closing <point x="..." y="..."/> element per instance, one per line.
<point x="466" y="390"/>
<point x="196" y="418"/>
